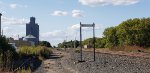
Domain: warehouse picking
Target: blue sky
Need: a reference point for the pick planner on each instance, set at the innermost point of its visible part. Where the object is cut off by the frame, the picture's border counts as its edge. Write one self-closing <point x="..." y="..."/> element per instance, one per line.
<point x="59" y="19"/>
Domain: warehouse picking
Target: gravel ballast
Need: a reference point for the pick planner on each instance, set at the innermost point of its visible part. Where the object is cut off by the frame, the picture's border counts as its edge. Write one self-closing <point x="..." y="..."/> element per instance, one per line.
<point x="105" y="63"/>
<point x="108" y="63"/>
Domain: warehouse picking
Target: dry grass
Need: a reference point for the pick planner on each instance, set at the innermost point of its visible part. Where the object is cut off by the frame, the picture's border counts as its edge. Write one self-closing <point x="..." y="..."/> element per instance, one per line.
<point x="125" y="50"/>
<point x="147" y="50"/>
<point x="77" y="50"/>
<point x="128" y="48"/>
<point x="24" y="71"/>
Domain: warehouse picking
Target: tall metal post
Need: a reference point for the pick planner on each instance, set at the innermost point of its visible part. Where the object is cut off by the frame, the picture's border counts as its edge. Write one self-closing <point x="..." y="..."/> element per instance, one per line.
<point x="75" y="42"/>
<point x="81" y="41"/>
<point x="0" y="23"/>
<point x="94" y="39"/>
<point x="87" y="25"/>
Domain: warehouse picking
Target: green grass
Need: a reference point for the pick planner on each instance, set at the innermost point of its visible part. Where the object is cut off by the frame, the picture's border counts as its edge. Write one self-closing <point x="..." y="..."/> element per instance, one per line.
<point x="40" y="51"/>
<point x="24" y="70"/>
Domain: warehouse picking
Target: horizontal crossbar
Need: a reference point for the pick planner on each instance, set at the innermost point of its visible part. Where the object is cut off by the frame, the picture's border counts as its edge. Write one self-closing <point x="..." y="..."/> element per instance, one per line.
<point x="87" y="25"/>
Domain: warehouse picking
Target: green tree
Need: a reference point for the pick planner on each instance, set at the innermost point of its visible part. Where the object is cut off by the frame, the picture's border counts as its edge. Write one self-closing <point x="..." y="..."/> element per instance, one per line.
<point x="134" y="32"/>
<point x="130" y="32"/>
<point x="99" y="42"/>
<point x="69" y="44"/>
<point x="7" y="53"/>
<point x="110" y="37"/>
<point x="45" y="43"/>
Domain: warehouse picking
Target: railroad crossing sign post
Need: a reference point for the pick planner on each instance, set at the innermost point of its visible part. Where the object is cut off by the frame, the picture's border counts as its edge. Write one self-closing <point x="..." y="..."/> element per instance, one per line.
<point x="87" y="25"/>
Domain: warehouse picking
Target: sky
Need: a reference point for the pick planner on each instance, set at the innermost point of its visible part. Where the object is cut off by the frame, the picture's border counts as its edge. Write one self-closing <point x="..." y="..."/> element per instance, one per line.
<point x="59" y="19"/>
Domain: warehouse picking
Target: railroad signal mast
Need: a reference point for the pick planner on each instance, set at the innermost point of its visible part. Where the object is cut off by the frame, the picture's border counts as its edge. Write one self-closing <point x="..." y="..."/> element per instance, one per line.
<point x="87" y="25"/>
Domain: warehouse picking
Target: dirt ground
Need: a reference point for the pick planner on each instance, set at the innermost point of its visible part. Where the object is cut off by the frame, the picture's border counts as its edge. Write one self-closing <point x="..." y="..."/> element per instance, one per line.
<point x="56" y="64"/>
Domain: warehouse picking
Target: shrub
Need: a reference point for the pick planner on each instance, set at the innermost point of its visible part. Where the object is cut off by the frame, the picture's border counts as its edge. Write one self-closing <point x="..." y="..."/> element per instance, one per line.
<point x="7" y="53"/>
<point x="130" y="32"/>
<point x="77" y="51"/>
<point x="39" y="51"/>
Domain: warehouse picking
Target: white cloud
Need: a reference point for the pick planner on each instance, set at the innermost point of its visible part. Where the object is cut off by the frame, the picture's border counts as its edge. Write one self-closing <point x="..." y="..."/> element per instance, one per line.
<point x="10" y="31"/>
<point x="56" y="33"/>
<point x="13" y="6"/>
<point x="77" y="13"/>
<point x="54" y="37"/>
<point x="7" y="29"/>
<point x="13" y="21"/>
<point x="108" y="2"/>
<point x="75" y="27"/>
<point x="59" y="13"/>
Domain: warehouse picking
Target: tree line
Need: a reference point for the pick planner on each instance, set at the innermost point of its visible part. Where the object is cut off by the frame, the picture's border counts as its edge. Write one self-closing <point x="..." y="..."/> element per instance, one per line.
<point x="69" y="44"/>
<point x="132" y="32"/>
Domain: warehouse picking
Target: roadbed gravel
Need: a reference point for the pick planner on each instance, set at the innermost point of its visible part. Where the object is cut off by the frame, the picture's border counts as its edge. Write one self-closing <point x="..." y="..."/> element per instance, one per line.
<point x="105" y="63"/>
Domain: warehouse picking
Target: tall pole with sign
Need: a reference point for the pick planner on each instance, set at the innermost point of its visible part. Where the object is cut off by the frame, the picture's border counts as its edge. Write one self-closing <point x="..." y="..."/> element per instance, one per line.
<point x="87" y="25"/>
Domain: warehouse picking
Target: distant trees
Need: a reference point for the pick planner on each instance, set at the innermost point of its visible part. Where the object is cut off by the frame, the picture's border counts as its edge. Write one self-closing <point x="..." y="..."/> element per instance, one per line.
<point x="132" y="32"/>
<point x="45" y="43"/>
<point x="99" y="42"/>
<point x="69" y="44"/>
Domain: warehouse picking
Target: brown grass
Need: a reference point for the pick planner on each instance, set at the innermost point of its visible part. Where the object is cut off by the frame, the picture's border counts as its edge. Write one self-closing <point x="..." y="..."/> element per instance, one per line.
<point x="124" y="50"/>
<point x="127" y="48"/>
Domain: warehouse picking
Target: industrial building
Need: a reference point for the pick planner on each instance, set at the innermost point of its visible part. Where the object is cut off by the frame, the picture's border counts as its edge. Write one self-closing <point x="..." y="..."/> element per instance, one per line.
<point x="32" y="31"/>
<point x="32" y="35"/>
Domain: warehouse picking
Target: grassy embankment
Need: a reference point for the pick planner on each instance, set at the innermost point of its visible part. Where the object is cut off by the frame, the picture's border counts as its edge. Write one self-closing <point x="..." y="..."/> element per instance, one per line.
<point x="39" y="53"/>
<point x="25" y="60"/>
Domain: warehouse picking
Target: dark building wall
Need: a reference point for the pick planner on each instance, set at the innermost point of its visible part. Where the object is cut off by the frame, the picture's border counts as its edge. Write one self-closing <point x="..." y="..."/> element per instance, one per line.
<point x="32" y="28"/>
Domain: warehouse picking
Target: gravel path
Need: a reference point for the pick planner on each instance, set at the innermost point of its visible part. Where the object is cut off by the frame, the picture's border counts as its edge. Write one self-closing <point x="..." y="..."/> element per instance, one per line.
<point x="105" y="63"/>
<point x="56" y="64"/>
